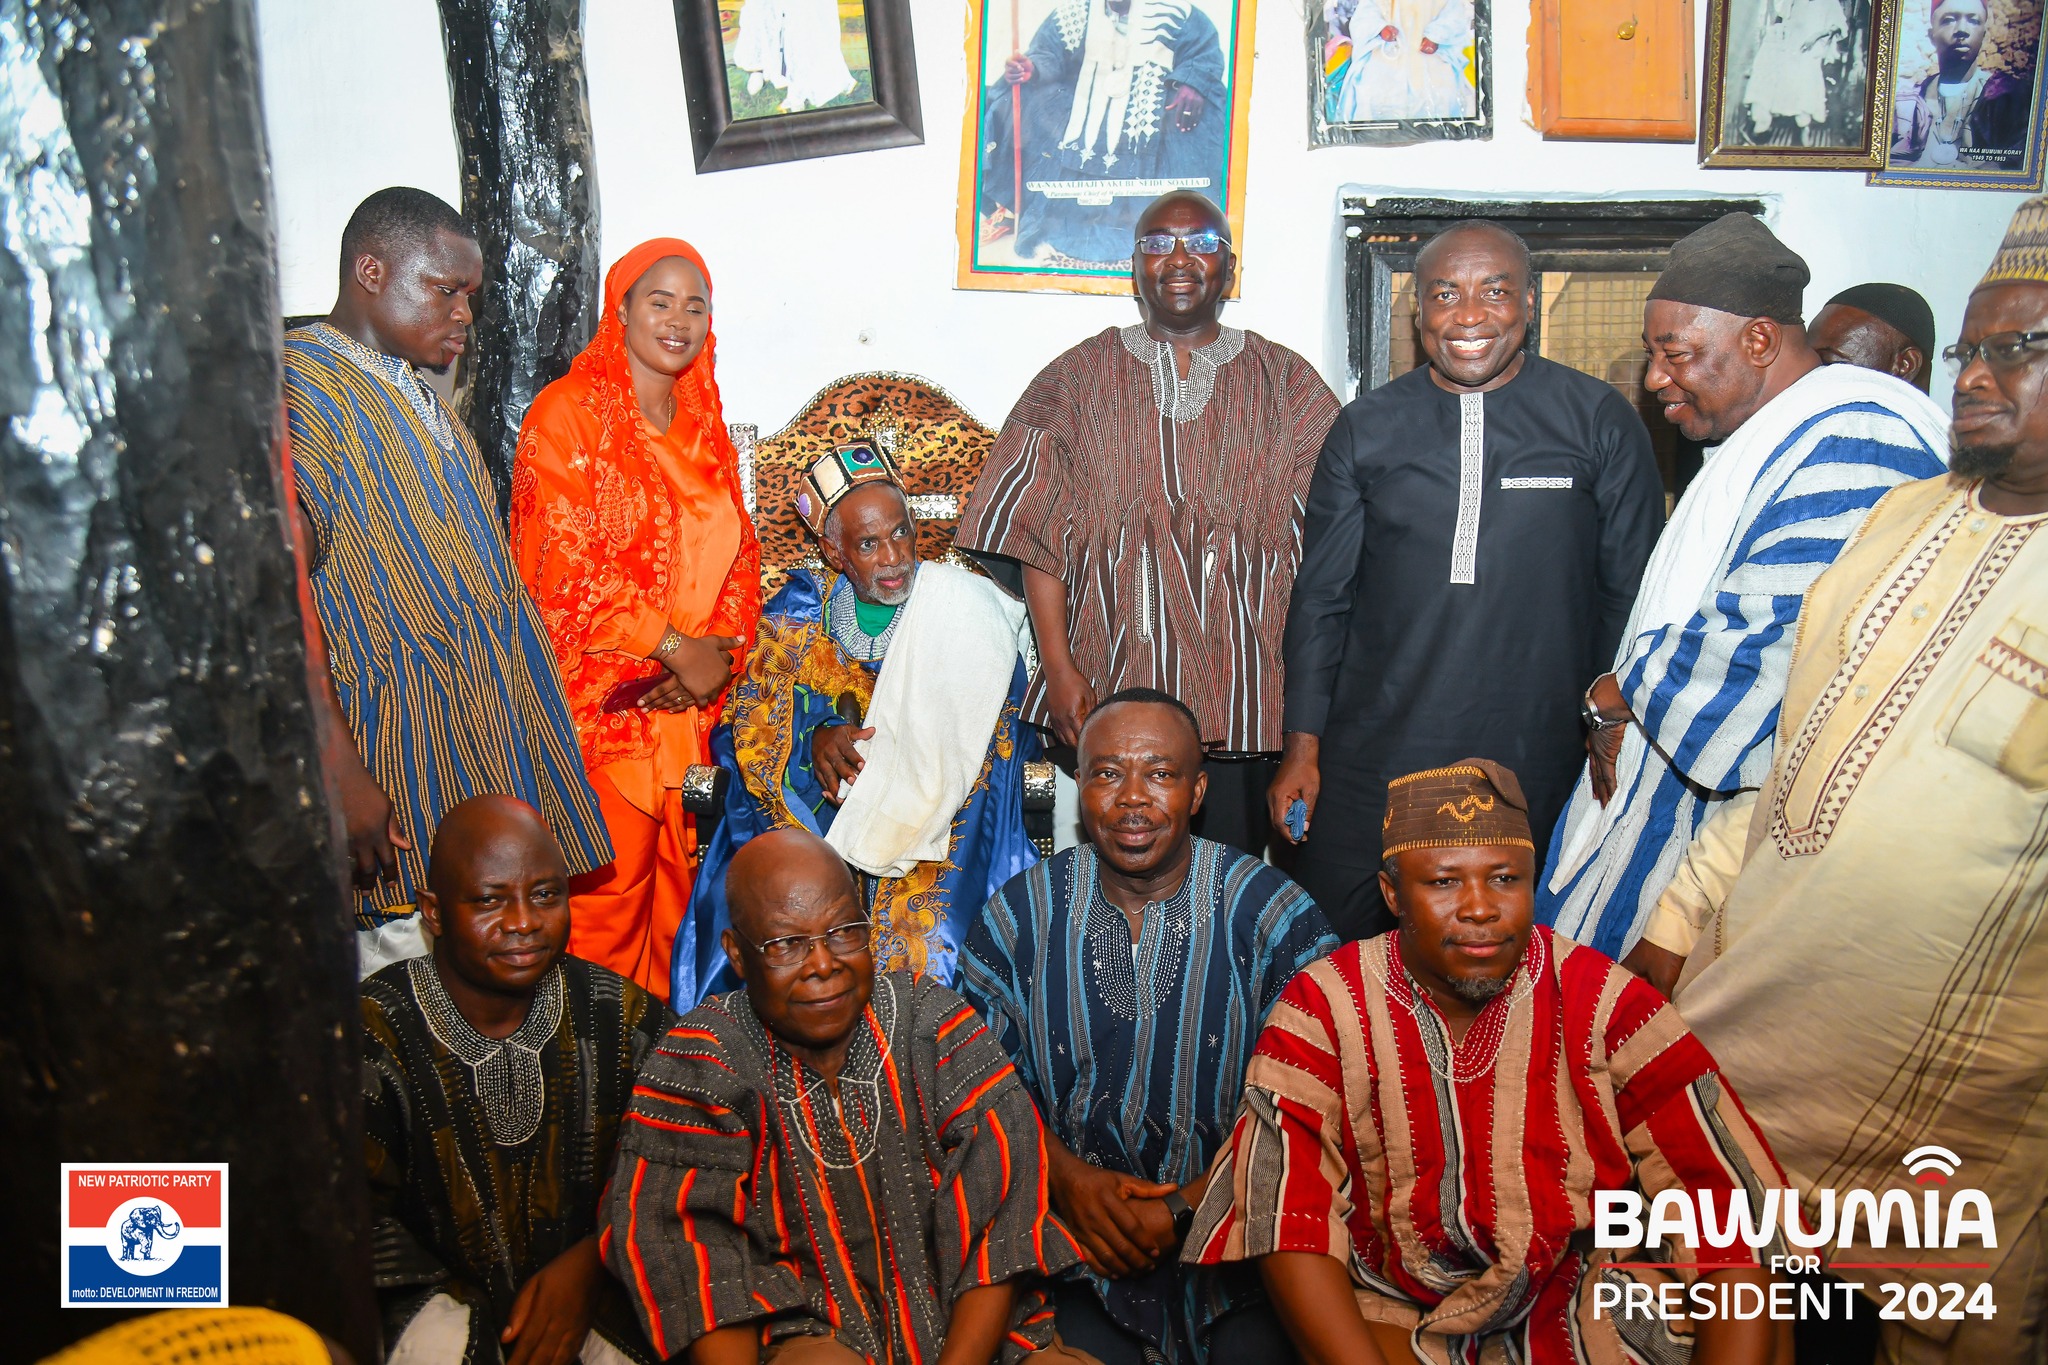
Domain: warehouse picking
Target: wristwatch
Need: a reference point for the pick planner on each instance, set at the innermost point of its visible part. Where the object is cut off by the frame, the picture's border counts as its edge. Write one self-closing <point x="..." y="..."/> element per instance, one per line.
<point x="1590" y="714"/>
<point x="1183" y="1214"/>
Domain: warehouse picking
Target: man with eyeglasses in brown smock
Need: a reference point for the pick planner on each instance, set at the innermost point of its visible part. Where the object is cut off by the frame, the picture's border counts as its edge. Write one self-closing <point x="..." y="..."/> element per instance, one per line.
<point x="1151" y="482"/>
<point x="830" y="1166"/>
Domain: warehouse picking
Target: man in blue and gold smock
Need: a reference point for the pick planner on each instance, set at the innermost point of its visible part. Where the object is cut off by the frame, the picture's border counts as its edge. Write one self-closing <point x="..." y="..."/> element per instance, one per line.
<point x="437" y="683"/>
<point x="879" y="710"/>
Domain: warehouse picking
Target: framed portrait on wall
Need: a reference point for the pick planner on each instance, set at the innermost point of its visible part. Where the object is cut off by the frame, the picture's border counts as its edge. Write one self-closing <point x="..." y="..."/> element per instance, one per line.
<point x="1797" y="84"/>
<point x="784" y="80"/>
<point x="1389" y="72"/>
<point x="1966" y="100"/>
<point x="1080" y="113"/>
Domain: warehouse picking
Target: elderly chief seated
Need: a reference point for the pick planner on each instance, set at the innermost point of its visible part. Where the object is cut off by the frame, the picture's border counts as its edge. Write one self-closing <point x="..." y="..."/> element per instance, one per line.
<point x="830" y="1165"/>
<point x="880" y="711"/>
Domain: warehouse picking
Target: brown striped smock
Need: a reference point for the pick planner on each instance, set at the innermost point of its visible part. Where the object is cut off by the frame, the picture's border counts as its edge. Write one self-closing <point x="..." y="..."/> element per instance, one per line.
<point x="1171" y="508"/>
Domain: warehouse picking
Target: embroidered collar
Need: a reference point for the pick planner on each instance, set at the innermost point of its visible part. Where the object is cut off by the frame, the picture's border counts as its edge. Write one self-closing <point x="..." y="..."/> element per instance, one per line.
<point x="1167" y="924"/>
<point x="400" y="375"/>
<point x="504" y="1072"/>
<point x="802" y="1094"/>
<point x="842" y="620"/>
<point x="1182" y="399"/>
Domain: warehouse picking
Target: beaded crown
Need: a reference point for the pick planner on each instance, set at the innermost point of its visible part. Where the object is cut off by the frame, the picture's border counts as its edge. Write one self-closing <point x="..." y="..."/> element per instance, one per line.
<point x="838" y="472"/>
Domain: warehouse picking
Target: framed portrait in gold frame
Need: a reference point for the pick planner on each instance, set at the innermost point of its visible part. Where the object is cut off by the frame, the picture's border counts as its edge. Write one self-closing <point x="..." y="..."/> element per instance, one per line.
<point x="1066" y="139"/>
<point x="1967" y="106"/>
<point x="1797" y="84"/>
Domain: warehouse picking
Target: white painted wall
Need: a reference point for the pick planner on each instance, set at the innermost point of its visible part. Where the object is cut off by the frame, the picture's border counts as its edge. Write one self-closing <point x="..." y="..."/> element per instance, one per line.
<point x="355" y="98"/>
<point x="846" y="263"/>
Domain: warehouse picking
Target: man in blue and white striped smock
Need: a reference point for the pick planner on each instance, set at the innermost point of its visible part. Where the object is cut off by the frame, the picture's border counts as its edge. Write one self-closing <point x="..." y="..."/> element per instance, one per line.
<point x="1128" y="978"/>
<point x="1802" y="451"/>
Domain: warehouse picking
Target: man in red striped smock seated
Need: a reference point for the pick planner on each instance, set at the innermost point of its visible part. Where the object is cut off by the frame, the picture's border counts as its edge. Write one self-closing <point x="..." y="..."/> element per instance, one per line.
<point x="831" y="1166"/>
<point x="1430" y="1113"/>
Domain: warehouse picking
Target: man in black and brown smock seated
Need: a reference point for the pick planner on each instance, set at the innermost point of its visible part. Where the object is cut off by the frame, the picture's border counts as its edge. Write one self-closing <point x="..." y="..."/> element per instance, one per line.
<point x="496" y="1070"/>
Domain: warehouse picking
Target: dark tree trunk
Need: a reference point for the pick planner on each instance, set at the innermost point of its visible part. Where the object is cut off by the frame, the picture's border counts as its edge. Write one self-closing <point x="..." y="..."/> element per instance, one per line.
<point x="528" y="183"/>
<point x="178" y="980"/>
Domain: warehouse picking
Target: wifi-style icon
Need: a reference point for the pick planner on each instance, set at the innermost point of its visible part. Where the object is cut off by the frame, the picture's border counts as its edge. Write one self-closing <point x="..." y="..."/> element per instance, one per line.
<point x="1932" y="1165"/>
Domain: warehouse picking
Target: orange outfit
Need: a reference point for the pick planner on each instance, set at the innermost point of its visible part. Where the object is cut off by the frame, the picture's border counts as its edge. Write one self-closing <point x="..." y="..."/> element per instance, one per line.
<point x="621" y="532"/>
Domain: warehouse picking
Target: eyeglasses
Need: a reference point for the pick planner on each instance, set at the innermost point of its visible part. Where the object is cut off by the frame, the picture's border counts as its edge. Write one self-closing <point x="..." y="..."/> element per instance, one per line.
<point x="2003" y="351"/>
<point x="841" y="940"/>
<point x="1198" y="243"/>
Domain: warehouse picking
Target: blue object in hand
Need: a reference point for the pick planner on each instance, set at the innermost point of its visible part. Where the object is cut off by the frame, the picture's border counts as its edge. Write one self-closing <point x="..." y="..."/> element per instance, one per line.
<point x="1297" y="820"/>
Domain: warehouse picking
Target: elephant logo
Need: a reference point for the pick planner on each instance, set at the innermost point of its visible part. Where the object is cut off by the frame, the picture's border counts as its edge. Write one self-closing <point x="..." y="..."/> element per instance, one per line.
<point x="140" y="1229"/>
<point x="144" y="1234"/>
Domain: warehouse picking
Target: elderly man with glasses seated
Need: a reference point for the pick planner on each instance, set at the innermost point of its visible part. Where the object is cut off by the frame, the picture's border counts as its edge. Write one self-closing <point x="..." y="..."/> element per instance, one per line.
<point x="830" y="1166"/>
<point x="1150" y="482"/>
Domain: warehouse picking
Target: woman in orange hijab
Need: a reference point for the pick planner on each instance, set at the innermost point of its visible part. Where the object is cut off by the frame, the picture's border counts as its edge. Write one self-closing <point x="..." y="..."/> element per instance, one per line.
<point x="631" y="534"/>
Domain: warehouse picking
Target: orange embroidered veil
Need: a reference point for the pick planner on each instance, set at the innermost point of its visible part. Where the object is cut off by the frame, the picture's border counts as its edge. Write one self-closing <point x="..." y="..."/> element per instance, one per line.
<point x="601" y="507"/>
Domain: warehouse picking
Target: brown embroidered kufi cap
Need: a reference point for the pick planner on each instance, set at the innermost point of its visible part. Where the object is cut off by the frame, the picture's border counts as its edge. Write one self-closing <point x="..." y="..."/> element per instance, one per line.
<point x="1472" y="803"/>
<point x="2023" y="256"/>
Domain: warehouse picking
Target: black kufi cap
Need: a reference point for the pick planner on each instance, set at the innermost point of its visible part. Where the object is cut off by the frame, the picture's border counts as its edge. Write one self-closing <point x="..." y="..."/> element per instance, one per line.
<point x="1735" y="265"/>
<point x="1900" y="308"/>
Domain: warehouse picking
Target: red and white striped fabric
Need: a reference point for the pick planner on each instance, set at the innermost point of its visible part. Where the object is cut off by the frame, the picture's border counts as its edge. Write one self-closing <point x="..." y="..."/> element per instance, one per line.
<point x="1464" y="1208"/>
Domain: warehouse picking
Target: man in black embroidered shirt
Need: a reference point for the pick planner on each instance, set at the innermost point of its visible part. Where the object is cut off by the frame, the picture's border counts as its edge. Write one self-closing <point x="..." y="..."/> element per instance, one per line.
<point x="1475" y="535"/>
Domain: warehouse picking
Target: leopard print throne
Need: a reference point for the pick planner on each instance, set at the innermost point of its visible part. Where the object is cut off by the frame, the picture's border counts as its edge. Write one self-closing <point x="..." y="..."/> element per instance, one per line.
<point x="938" y="444"/>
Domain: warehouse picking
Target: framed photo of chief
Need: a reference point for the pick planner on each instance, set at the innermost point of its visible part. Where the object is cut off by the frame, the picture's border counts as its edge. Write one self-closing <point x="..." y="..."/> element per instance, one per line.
<point x="1797" y="84"/>
<point x="784" y="80"/>
<point x="1082" y="112"/>
<point x="1391" y="72"/>
<point x="1967" y="108"/>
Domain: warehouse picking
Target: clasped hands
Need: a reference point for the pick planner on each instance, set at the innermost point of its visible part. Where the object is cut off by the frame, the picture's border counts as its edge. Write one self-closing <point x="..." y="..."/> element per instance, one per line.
<point x="698" y="670"/>
<point x="1121" y="1222"/>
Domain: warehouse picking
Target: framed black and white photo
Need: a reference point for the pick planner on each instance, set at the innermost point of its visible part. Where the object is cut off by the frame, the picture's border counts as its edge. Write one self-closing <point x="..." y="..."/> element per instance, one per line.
<point x="1797" y="84"/>
<point x="1967" y="112"/>
<point x="1389" y="72"/>
<point x="784" y="80"/>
